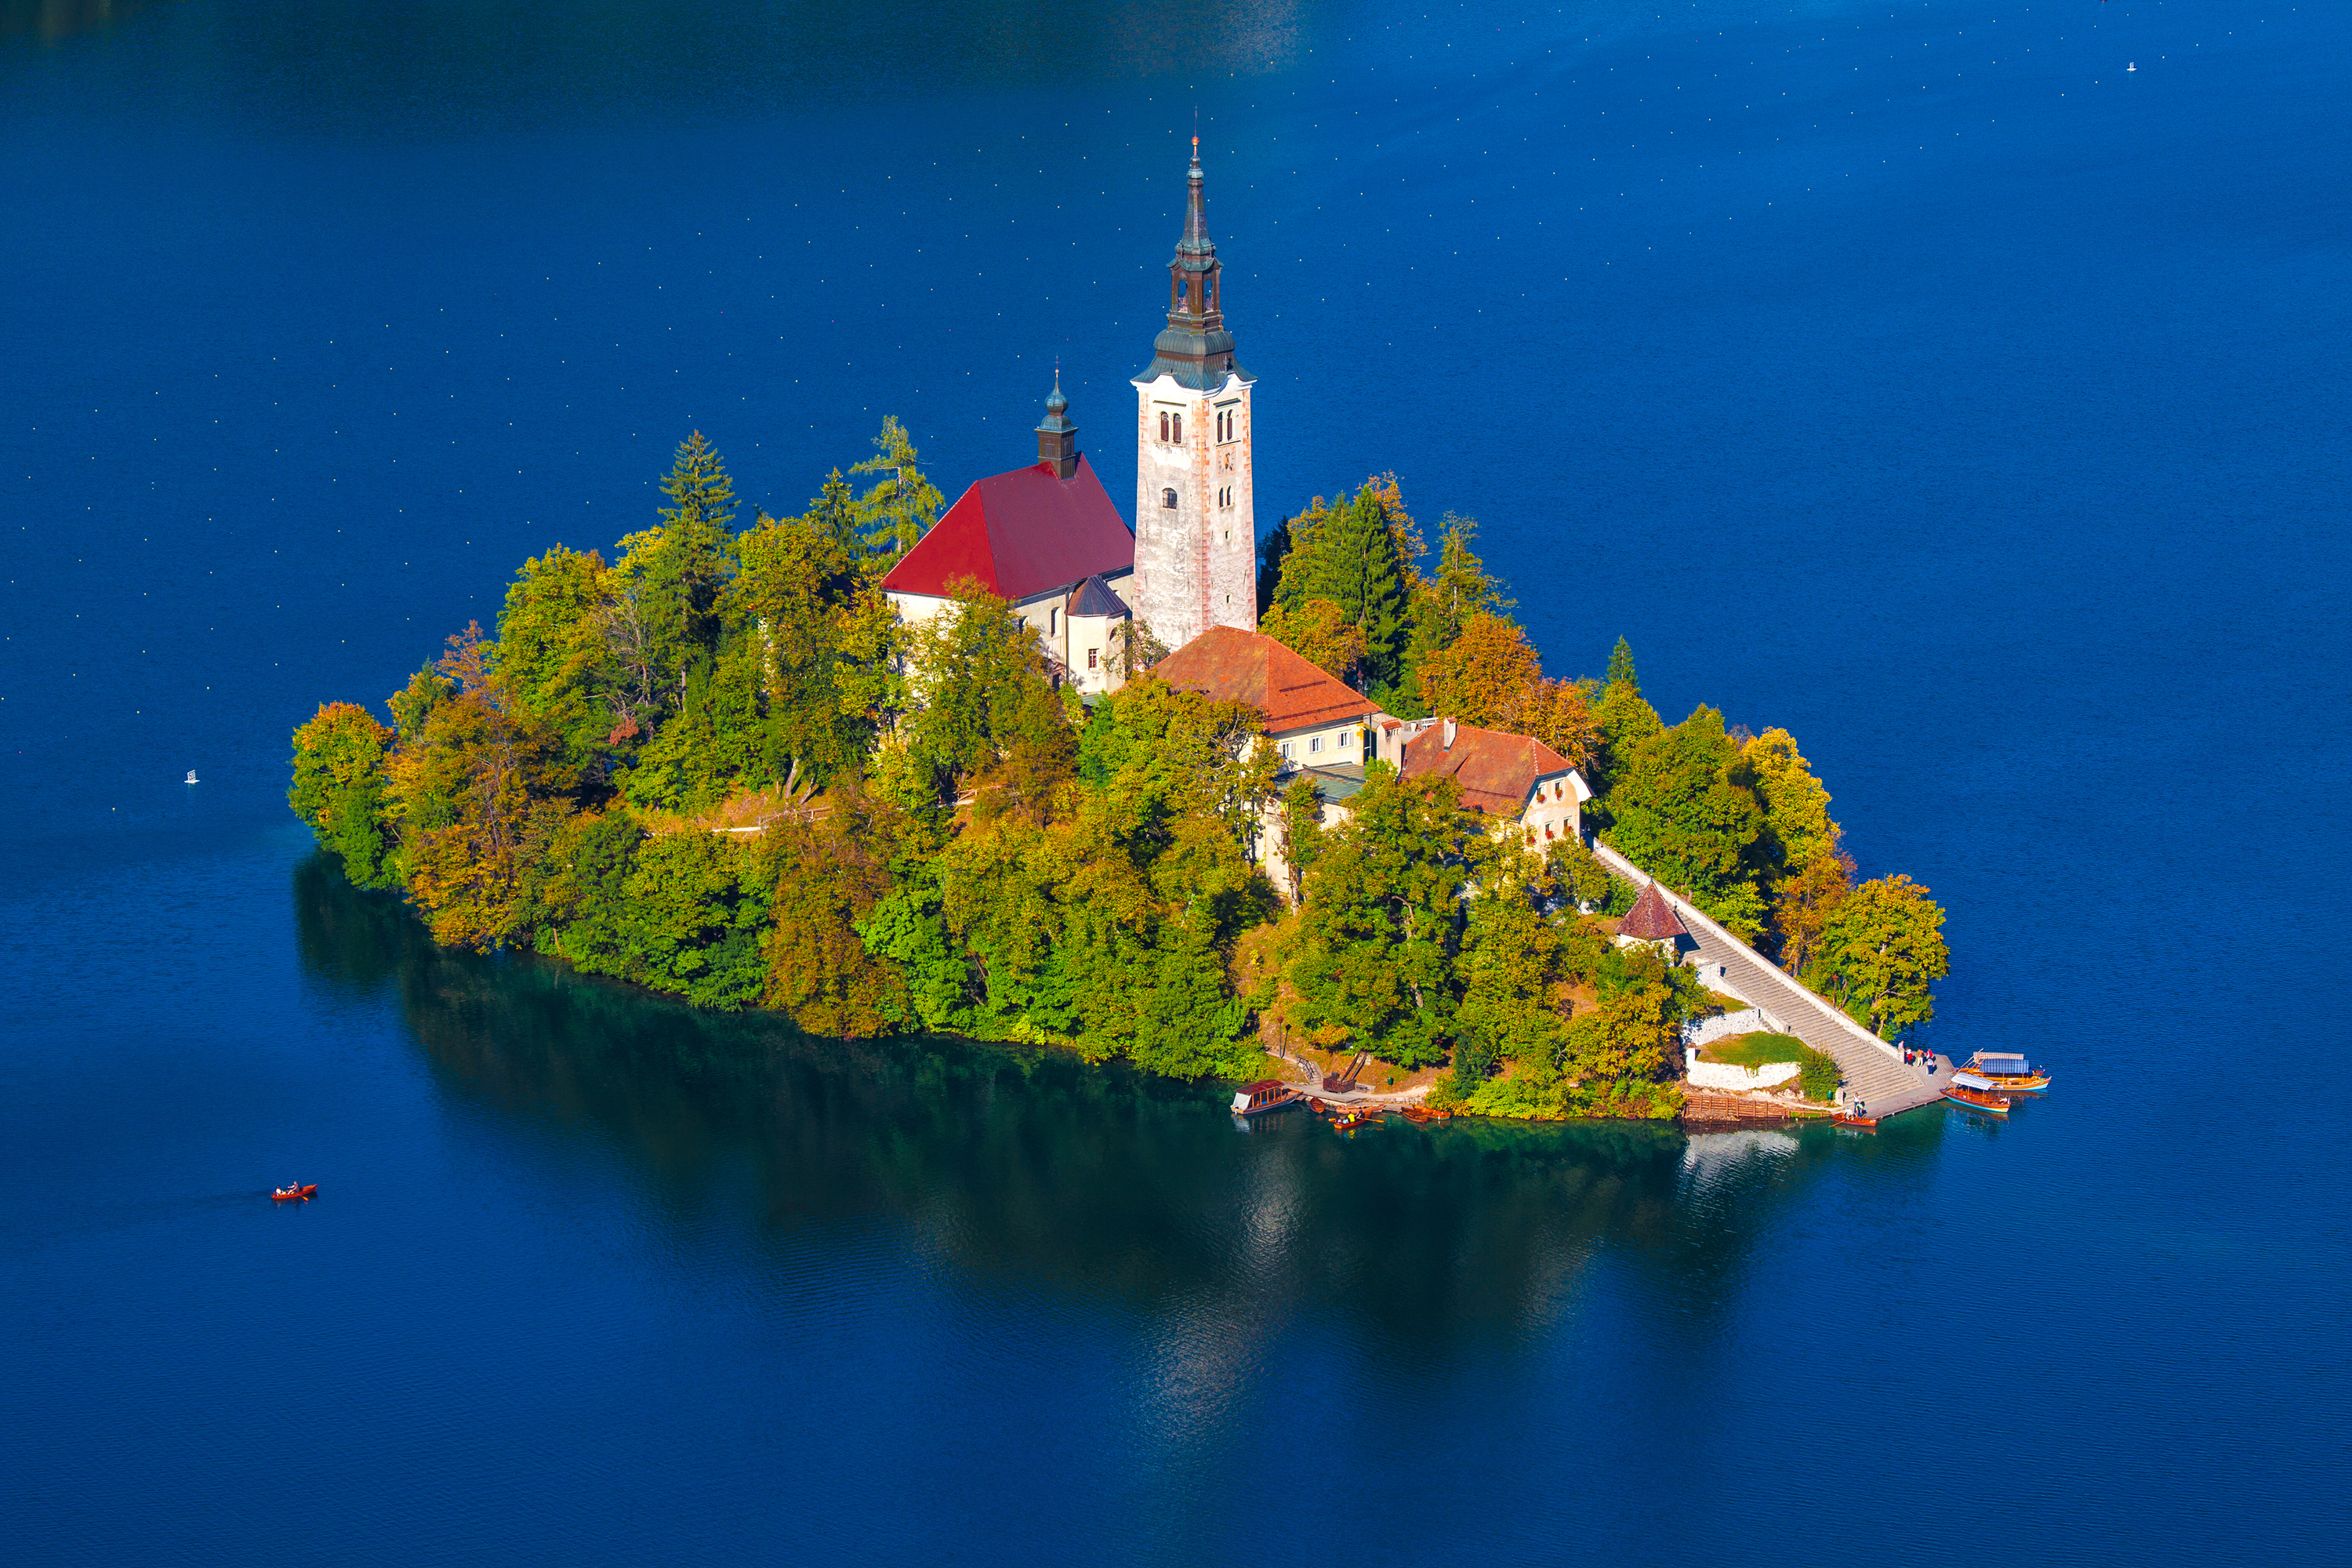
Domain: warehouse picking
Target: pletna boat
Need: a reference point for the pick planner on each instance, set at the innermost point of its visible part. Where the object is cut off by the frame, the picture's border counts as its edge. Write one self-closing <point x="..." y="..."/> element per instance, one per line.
<point x="1976" y="1092"/>
<point x="295" y="1194"/>
<point x="1847" y="1119"/>
<point x="1267" y="1094"/>
<point x="2010" y="1073"/>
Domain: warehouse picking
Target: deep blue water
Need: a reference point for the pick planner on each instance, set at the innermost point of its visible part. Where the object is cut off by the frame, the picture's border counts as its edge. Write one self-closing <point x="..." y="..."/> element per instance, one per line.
<point x="1912" y="375"/>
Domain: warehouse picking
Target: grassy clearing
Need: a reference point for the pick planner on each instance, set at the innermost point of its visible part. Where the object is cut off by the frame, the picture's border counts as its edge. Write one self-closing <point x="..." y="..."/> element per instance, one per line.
<point x="1756" y="1050"/>
<point x="1819" y="1078"/>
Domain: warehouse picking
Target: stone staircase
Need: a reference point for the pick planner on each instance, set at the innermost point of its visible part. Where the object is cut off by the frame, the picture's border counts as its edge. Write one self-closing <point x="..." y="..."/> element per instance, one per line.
<point x="1875" y="1072"/>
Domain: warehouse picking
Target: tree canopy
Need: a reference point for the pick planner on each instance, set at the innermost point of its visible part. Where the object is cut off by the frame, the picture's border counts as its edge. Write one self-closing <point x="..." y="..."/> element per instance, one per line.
<point x="718" y="765"/>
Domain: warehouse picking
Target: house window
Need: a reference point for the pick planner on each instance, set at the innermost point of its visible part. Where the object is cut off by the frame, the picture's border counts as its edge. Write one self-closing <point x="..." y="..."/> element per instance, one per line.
<point x="1316" y="744"/>
<point x="1167" y="499"/>
<point x="1093" y="654"/>
<point x="1286" y="751"/>
<point x="1052" y="623"/>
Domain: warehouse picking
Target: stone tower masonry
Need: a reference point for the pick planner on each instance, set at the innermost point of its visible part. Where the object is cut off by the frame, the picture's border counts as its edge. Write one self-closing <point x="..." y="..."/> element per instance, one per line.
<point x="1195" y="528"/>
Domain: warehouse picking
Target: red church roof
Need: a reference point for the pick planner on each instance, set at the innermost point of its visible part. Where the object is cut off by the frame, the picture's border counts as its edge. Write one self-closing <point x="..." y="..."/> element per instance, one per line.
<point x="1235" y="666"/>
<point x="1022" y="533"/>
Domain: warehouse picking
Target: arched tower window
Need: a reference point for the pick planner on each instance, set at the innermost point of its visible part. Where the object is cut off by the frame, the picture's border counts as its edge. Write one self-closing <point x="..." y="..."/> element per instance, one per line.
<point x="1176" y="425"/>
<point x="1163" y="425"/>
<point x="1167" y="499"/>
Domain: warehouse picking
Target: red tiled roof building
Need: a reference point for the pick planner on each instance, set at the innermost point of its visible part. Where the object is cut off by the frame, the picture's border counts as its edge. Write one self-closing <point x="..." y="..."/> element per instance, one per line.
<point x="1035" y="537"/>
<point x="1514" y="778"/>
<point x="1235" y="665"/>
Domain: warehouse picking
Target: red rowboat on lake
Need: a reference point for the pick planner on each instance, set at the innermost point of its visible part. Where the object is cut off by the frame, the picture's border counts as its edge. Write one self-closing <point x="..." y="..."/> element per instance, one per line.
<point x="296" y="1194"/>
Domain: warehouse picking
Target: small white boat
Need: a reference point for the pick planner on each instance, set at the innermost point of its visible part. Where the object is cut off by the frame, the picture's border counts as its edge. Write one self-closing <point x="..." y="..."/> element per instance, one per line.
<point x="2131" y="68"/>
<point x="191" y="775"/>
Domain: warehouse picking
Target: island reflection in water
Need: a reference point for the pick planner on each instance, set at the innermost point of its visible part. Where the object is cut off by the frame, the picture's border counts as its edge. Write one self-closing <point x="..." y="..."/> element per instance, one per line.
<point x="1028" y="1166"/>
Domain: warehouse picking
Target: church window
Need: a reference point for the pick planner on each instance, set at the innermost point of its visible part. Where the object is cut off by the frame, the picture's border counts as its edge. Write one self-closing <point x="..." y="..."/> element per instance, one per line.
<point x="1167" y="499"/>
<point x="1093" y="654"/>
<point x="1176" y="429"/>
<point x="1163" y="425"/>
<point x="1053" y="622"/>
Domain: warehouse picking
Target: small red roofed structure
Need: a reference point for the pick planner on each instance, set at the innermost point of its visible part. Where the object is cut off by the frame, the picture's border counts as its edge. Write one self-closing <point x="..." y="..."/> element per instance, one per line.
<point x="1650" y="919"/>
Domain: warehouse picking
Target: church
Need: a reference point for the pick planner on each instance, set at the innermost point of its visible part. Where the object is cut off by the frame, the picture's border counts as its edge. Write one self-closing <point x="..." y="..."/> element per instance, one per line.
<point x="1047" y="539"/>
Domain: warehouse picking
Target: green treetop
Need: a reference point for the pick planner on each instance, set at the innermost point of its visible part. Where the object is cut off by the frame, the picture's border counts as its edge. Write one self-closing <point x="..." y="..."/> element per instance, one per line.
<point x="1621" y="667"/>
<point x="1680" y="816"/>
<point x="901" y="508"/>
<point x="1376" y="947"/>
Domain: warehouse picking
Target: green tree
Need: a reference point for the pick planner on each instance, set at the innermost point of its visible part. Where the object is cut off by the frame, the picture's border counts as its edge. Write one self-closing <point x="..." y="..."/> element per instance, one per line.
<point x="554" y="659"/>
<point x="1796" y="807"/>
<point x="819" y="638"/>
<point x="591" y="922"/>
<point x="698" y="920"/>
<point x="1515" y="1001"/>
<point x="1301" y="827"/>
<point x="1374" y="958"/>
<point x="828" y="874"/>
<point x="341" y="791"/>
<point x="834" y="513"/>
<point x="898" y="511"/>
<point x="1352" y="555"/>
<point x="1319" y="632"/>
<point x="1273" y="554"/>
<point x="1679" y="815"/>
<point x="663" y="611"/>
<point x="1882" y="949"/>
<point x="981" y="685"/>
<point x="1626" y="722"/>
<point x="1578" y="875"/>
<point x="1621" y="667"/>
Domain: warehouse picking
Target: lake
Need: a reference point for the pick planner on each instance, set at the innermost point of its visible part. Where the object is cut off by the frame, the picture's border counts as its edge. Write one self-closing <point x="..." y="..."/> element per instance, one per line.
<point x="1914" y="377"/>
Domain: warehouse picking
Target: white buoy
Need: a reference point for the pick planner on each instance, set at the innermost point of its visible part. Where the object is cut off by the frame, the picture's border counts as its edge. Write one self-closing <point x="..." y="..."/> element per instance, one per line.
<point x="191" y="775"/>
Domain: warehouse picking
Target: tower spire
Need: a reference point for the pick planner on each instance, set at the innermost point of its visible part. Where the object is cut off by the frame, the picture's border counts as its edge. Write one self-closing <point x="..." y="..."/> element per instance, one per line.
<point x="1195" y="349"/>
<point x="1057" y="437"/>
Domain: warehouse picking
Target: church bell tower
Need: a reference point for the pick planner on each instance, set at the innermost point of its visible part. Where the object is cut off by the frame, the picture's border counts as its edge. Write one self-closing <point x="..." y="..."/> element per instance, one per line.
<point x="1195" y="529"/>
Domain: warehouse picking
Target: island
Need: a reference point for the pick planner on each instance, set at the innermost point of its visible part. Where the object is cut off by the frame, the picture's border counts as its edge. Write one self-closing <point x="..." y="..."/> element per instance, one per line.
<point x="725" y="765"/>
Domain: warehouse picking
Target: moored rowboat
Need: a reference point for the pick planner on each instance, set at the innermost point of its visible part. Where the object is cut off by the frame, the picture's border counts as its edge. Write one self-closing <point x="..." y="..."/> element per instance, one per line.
<point x="1267" y="1094"/>
<point x="2008" y="1073"/>
<point x="1975" y="1092"/>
